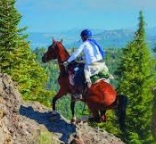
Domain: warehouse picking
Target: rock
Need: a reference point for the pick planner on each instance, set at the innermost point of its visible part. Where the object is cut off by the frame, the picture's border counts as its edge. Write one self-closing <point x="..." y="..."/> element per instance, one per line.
<point x="88" y="135"/>
<point x="31" y="123"/>
<point x="77" y="139"/>
<point x="15" y="128"/>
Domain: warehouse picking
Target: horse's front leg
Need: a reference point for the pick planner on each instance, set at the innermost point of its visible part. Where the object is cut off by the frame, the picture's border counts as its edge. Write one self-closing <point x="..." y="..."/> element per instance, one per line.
<point x="72" y="107"/>
<point x="60" y="93"/>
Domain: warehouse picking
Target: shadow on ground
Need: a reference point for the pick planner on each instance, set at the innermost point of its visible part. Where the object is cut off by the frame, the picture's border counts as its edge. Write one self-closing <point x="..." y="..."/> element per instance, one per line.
<point x="54" y="123"/>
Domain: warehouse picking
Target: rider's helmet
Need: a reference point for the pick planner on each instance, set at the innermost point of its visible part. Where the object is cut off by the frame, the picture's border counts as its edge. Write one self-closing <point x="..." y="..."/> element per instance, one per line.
<point x="86" y="33"/>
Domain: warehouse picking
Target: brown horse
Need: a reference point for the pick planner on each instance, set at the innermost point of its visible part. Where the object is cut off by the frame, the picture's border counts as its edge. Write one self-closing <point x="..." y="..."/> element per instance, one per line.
<point x="99" y="98"/>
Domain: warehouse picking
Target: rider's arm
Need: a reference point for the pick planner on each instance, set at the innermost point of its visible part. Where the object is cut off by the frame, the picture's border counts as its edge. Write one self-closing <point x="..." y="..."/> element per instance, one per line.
<point x="76" y="53"/>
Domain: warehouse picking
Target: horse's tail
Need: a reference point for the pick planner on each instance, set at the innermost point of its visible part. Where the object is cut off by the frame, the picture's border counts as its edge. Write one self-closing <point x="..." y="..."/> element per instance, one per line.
<point x="121" y="110"/>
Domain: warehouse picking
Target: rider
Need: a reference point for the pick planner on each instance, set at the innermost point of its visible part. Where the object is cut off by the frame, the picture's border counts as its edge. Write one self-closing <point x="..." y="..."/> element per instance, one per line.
<point x="93" y="56"/>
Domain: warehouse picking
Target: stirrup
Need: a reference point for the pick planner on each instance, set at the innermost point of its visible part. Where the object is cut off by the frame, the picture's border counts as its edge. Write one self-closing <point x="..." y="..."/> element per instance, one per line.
<point x="77" y="96"/>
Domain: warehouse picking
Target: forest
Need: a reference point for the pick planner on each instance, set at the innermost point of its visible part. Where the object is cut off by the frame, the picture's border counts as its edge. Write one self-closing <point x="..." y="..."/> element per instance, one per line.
<point x="133" y="66"/>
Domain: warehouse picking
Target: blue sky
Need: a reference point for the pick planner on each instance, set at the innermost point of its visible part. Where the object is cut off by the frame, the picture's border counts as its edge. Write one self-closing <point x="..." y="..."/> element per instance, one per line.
<point x="63" y="15"/>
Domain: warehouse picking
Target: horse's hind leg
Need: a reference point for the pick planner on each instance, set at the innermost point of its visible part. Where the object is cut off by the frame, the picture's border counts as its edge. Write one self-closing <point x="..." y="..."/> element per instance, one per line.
<point x="96" y="116"/>
<point x="60" y="93"/>
<point x="103" y="115"/>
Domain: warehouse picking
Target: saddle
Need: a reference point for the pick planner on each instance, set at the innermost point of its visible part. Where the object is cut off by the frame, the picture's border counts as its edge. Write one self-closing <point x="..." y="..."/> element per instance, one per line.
<point x="77" y="79"/>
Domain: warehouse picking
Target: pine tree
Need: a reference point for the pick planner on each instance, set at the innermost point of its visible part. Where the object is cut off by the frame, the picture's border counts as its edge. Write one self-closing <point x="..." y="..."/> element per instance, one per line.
<point x="9" y="18"/>
<point x="136" y="81"/>
<point x="16" y="57"/>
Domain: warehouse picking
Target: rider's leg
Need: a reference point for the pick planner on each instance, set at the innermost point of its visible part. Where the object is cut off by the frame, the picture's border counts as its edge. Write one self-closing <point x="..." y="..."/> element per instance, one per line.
<point x="87" y="73"/>
<point x="103" y="67"/>
<point x="91" y="70"/>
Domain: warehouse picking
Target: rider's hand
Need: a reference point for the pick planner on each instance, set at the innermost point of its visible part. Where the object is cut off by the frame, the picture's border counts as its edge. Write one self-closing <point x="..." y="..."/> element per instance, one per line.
<point x="65" y="63"/>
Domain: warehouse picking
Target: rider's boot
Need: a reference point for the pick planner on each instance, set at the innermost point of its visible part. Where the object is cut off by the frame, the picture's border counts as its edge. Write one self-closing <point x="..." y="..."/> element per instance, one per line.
<point x="88" y="84"/>
<point x="111" y="76"/>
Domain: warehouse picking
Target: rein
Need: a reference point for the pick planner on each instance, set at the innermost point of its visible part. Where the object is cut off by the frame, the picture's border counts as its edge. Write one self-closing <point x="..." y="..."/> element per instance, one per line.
<point x="60" y="63"/>
<point x="66" y="67"/>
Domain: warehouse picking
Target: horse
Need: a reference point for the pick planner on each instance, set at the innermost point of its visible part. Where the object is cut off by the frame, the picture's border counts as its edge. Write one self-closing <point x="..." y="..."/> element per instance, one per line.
<point x="100" y="97"/>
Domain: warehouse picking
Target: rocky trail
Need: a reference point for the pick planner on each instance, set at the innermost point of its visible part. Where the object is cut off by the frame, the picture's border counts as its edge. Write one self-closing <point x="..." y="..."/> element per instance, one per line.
<point x="31" y="123"/>
<point x="53" y="123"/>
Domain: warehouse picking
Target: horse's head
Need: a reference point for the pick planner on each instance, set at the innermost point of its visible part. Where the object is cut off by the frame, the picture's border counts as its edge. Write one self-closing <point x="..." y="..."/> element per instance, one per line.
<point x="51" y="52"/>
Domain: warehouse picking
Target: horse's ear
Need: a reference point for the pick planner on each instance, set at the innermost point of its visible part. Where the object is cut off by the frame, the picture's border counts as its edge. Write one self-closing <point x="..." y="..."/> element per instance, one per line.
<point x="53" y="40"/>
<point x="61" y="41"/>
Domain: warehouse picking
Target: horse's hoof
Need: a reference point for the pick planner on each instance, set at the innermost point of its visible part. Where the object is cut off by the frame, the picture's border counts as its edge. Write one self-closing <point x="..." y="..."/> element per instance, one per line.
<point x="103" y="118"/>
<point x="92" y="119"/>
<point x="79" y="121"/>
<point x="73" y="120"/>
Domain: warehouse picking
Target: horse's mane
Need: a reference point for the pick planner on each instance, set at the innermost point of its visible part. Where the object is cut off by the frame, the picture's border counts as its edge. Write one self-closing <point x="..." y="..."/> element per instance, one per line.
<point x="62" y="50"/>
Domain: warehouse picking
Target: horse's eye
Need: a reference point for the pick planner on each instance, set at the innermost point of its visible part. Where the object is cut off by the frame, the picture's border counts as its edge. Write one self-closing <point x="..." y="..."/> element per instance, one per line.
<point x="51" y="47"/>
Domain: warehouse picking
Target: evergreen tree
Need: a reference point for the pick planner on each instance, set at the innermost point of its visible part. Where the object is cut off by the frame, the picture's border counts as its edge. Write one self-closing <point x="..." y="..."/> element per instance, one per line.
<point x="16" y="57"/>
<point x="136" y="81"/>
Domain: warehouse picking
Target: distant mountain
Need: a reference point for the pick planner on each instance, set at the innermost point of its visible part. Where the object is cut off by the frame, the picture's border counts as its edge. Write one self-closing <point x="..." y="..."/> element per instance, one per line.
<point x="45" y="39"/>
<point x="106" y="38"/>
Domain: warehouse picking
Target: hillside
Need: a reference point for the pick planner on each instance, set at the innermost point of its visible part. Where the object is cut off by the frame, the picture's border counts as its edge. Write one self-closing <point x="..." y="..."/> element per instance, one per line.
<point x="107" y="38"/>
<point x="30" y="122"/>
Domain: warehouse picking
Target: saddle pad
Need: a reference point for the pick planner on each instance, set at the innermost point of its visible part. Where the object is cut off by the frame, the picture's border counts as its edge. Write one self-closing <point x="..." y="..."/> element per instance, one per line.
<point x="100" y="75"/>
